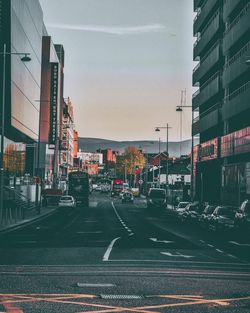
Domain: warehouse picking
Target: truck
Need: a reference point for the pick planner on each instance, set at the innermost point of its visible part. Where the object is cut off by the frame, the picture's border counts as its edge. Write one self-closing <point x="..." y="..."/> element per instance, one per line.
<point x="116" y="187"/>
<point x="79" y="187"/>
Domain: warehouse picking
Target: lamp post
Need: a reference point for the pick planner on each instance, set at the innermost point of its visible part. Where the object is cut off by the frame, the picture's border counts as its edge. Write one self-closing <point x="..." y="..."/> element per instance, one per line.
<point x="25" y="58"/>
<point x="179" y="108"/>
<point x="157" y="129"/>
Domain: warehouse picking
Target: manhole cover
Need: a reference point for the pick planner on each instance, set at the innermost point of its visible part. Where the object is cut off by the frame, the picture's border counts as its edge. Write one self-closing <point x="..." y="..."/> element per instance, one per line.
<point x="121" y="297"/>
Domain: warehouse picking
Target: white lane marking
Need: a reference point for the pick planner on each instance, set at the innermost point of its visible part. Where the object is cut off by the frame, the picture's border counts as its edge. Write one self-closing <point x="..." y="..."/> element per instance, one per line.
<point x="160" y="241"/>
<point x="108" y="251"/>
<point x="178" y="255"/>
<point x="210" y="245"/>
<point x="232" y="256"/>
<point x="202" y="241"/>
<point x="218" y="250"/>
<point x="120" y="219"/>
<point x="94" y="285"/>
<point x="239" y="244"/>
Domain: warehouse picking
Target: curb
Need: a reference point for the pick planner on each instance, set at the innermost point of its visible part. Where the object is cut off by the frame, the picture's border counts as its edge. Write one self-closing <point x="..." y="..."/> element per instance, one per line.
<point x="13" y="227"/>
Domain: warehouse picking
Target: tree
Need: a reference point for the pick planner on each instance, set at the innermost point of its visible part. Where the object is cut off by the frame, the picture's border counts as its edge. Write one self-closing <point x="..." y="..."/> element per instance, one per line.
<point x="130" y="161"/>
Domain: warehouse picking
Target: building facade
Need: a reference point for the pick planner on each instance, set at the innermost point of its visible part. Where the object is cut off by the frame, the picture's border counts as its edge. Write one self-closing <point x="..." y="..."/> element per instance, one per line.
<point x="21" y="30"/>
<point x="221" y="160"/>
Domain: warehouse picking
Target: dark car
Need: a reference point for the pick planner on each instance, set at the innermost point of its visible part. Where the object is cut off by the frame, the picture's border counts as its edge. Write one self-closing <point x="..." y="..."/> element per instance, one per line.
<point x="242" y="217"/>
<point x="206" y="215"/>
<point x="222" y="218"/>
<point x="127" y="197"/>
<point x="191" y="213"/>
<point x="157" y="198"/>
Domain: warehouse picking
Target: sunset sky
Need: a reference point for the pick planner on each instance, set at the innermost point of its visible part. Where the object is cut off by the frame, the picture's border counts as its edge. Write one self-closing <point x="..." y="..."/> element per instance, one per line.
<point x="126" y="63"/>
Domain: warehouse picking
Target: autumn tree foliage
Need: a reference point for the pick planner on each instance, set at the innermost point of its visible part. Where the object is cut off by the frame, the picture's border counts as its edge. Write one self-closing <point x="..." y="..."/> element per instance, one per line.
<point x="131" y="160"/>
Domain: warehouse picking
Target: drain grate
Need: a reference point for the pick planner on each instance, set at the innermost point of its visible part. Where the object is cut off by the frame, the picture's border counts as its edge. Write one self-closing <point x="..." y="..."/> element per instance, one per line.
<point x="121" y="297"/>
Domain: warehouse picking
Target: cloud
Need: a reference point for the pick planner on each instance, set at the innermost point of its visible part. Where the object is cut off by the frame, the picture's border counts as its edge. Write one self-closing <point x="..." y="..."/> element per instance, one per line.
<point x="114" y="30"/>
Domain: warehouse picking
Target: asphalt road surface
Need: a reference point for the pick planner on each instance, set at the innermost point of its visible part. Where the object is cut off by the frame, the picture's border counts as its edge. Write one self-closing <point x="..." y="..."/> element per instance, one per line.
<point x="114" y="257"/>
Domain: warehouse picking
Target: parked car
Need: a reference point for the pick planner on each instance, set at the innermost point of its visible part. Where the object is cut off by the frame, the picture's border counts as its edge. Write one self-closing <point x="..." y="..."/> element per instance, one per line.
<point x="67" y="201"/>
<point x="242" y="216"/>
<point x="98" y="188"/>
<point x="180" y="208"/>
<point x="157" y="198"/>
<point x="127" y="197"/>
<point x="206" y="215"/>
<point x="191" y="213"/>
<point x="222" y="218"/>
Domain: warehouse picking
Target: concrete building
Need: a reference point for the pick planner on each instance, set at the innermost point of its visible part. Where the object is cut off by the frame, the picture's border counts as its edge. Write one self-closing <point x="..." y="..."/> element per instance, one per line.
<point x="67" y="139"/>
<point x="221" y="160"/>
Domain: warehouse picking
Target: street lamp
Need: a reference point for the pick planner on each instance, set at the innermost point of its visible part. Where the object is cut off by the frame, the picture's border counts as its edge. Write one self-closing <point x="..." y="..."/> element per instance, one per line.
<point x="179" y="108"/>
<point x="158" y="129"/>
<point x="25" y="58"/>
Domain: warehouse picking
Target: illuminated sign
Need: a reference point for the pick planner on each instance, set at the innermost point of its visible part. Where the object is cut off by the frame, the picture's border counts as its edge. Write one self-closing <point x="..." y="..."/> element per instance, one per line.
<point x="209" y="150"/>
<point x="53" y="103"/>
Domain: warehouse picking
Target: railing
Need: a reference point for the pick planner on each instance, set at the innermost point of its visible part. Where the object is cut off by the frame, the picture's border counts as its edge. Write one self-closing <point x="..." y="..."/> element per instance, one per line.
<point x="238" y="55"/>
<point x="210" y="80"/>
<point x="237" y="92"/>
<point x="238" y="18"/>
<point x="16" y="206"/>
<point x="212" y="108"/>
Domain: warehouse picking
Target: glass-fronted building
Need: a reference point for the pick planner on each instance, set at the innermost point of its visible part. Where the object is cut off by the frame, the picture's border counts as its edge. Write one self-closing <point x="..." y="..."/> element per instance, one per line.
<point x="21" y="30"/>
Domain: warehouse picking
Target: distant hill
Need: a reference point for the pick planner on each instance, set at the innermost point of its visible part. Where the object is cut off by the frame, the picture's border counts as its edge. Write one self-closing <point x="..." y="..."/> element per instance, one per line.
<point x="92" y="144"/>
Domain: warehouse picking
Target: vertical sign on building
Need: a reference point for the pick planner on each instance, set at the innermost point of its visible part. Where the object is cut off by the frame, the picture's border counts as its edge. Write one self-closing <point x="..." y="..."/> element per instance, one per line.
<point x="53" y="103"/>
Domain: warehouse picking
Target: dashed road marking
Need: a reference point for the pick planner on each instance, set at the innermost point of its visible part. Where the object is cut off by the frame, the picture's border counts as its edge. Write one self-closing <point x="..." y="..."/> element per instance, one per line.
<point x="239" y="244"/>
<point x="121" y="221"/>
<point x="178" y="255"/>
<point x="160" y="241"/>
<point x="220" y="251"/>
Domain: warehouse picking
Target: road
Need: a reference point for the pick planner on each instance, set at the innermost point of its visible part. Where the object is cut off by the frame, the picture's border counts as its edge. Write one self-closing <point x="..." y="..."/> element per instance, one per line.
<point x="114" y="257"/>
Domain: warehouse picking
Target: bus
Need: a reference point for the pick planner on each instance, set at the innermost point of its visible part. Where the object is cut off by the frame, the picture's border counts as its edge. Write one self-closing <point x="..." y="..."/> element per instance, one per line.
<point x="116" y="187"/>
<point x="78" y="186"/>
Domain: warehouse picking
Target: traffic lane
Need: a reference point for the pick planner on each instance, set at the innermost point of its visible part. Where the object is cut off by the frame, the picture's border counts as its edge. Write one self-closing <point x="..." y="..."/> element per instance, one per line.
<point x="82" y="239"/>
<point x="152" y="241"/>
<point x="153" y="290"/>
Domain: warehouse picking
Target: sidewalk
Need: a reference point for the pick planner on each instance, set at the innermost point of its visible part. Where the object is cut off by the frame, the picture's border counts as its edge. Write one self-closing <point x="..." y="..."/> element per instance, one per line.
<point x="10" y="223"/>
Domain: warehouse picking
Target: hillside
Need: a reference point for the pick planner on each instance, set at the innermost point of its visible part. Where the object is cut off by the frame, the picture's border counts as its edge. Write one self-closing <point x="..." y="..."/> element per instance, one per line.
<point x="92" y="144"/>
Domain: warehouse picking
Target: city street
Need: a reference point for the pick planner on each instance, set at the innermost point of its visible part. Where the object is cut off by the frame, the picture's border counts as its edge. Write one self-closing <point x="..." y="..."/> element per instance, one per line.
<point x="114" y="257"/>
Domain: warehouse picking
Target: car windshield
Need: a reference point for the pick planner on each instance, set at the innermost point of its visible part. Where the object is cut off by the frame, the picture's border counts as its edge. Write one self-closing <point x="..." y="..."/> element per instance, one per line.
<point x="157" y="194"/>
<point x="182" y="205"/>
<point x="209" y="209"/>
<point x="118" y="186"/>
<point x="66" y="198"/>
<point x="227" y="212"/>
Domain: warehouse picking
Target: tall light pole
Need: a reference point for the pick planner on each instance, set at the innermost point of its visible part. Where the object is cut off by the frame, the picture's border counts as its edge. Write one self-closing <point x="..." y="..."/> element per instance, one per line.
<point x="157" y="129"/>
<point x="25" y="58"/>
<point x="179" y="108"/>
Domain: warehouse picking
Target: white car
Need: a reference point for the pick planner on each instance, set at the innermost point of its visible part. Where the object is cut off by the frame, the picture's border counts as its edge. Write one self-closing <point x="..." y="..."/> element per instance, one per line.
<point x="67" y="201"/>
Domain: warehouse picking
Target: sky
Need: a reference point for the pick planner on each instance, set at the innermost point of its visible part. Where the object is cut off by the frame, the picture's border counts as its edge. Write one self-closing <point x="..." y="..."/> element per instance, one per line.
<point x="126" y="62"/>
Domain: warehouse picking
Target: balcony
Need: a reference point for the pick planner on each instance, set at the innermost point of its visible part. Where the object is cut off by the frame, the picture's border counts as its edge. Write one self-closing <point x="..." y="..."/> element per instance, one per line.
<point x="207" y="91"/>
<point x="206" y="120"/>
<point x="237" y="102"/>
<point x="238" y="28"/>
<point x="229" y="6"/>
<point x="201" y="17"/>
<point x="197" y="4"/>
<point x="207" y="35"/>
<point x="208" y="61"/>
<point x="236" y="66"/>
